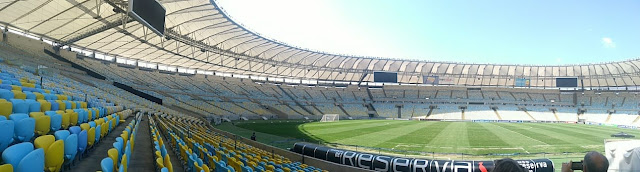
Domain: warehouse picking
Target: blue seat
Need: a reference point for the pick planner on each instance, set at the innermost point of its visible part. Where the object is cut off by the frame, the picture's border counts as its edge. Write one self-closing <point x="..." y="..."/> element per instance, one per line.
<point x="62" y="134"/>
<point x="246" y="169"/>
<point x="56" y="122"/>
<point x="164" y="169"/>
<point x="92" y="124"/>
<point x="106" y="164"/>
<point x="18" y="116"/>
<point x="54" y="105"/>
<point x="6" y="134"/>
<point x="75" y="130"/>
<point x="34" y="161"/>
<point x="82" y="141"/>
<point x="33" y="105"/>
<point x="20" y="106"/>
<point x="14" y="154"/>
<point x="24" y="128"/>
<point x="67" y="104"/>
<point x="50" y="113"/>
<point x="118" y="146"/>
<point x="30" y="95"/>
<point x="6" y="93"/>
<point x="71" y="147"/>
<point x="98" y="130"/>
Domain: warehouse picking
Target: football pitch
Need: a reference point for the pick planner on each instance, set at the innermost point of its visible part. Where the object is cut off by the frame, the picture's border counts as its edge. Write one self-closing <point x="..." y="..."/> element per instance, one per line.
<point x="444" y="137"/>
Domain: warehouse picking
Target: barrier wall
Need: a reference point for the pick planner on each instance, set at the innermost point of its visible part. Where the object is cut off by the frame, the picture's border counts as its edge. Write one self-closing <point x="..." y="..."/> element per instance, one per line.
<point x="389" y="163"/>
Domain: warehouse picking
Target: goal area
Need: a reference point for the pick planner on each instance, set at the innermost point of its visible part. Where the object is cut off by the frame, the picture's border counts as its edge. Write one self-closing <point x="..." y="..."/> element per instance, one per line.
<point x="330" y="118"/>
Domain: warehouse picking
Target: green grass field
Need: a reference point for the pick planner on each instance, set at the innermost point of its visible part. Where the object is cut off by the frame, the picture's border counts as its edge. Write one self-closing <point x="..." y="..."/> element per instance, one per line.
<point x="471" y="139"/>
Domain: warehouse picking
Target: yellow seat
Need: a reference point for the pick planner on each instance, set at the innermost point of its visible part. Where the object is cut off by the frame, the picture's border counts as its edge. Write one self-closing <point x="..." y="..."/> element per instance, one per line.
<point x="205" y="167"/>
<point x="73" y="105"/>
<point x="36" y="114"/>
<point x="167" y="163"/>
<point x="43" y="125"/>
<point x="85" y="126"/>
<point x="44" y="142"/>
<point x="53" y="151"/>
<point x="6" y="108"/>
<point x="54" y="157"/>
<point x="198" y="168"/>
<point x="91" y="136"/>
<point x="62" y="106"/>
<point x="6" y="168"/>
<point x="113" y="154"/>
<point x="90" y="114"/>
<point x="66" y="120"/>
<point x="19" y="94"/>
<point x="44" y="105"/>
<point x="104" y="129"/>
<point x="73" y="118"/>
<point x="124" y="163"/>
<point x="83" y="104"/>
<point x="125" y="136"/>
<point x="159" y="162"/>
<point x="16" y="88"/>
<point x="39" y="96"/>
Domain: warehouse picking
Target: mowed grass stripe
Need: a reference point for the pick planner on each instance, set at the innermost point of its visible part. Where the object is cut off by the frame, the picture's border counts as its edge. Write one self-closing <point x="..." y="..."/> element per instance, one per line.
<point x="479" y="136"/>
<point x="332" y="137"/>
<point x="596" y="138"/>
<point x="419" y="137"/>
<point x="540" y="137"/>
<point x="512" y="137"/>
<point x="606" y="130"/>
<point x="375" y="138"/>
<point x="567" y="137"/>
<point x="452" y="138"/>
<point x="338" y="129"/>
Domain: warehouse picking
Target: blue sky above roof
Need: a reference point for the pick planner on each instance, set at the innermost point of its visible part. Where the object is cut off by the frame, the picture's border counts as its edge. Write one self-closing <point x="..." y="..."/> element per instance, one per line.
<point x="505" y="32"/>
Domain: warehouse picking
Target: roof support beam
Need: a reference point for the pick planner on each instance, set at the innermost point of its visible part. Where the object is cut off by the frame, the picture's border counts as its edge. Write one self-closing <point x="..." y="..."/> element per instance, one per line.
<point x="87" y="34"/>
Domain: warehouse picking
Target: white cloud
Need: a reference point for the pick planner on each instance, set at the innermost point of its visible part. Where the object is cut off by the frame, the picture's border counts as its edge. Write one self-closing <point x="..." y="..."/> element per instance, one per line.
<point x="608" y="42"/>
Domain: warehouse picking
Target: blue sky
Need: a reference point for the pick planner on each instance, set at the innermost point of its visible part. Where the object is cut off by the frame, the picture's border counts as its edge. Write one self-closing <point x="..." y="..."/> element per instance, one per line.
<point x="541" y="32"/>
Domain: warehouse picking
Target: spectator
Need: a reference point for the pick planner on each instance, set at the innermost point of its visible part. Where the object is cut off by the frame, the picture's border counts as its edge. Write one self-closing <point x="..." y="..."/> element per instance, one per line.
<point x="507" y="165"/>
<point x="253" y="136"/>
<point x="593" y="162"/>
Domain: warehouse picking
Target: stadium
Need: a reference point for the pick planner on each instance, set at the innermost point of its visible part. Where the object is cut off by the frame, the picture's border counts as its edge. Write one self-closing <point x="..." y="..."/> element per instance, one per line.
<point x="177" y="85"/>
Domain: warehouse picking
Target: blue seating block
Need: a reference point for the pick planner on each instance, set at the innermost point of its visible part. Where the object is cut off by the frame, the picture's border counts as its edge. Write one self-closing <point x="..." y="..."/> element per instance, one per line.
<point x="107" y="164"/>
<point x="6" y="134"/>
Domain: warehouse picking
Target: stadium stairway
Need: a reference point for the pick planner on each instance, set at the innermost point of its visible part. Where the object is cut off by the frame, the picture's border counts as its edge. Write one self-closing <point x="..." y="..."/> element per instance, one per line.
<point x="141" y="157"/>
<point x="295" y="100"/>
<point x="608" y="118"/>
<point x="344" y="111"/>
<point x="278" y="113"/>
<point x="497" y="114"/>
<point x="527" y="112"/>
<point x="92" y="159"/>
<point x="556" y="115"/>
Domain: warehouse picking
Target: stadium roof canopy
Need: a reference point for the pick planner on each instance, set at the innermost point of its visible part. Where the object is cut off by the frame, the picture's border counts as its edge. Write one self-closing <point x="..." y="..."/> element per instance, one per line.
<point x="199" y="36"/>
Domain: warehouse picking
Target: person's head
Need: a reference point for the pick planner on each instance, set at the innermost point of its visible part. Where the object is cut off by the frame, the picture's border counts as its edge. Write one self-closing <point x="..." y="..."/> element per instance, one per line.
<point x="254" y="133"/>
<point x="595" y="162"/>
<point x="507" y="165"/>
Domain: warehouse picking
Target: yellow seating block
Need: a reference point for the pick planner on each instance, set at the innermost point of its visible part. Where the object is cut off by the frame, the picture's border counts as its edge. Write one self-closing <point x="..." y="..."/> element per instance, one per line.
<point x="19" y="94"/>
<point x="6" y="108"/>
<point x="16" y="88"/>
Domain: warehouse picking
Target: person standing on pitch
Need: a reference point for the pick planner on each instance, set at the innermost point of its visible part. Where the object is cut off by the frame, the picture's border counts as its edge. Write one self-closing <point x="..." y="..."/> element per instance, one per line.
<point x="253" y="136"/>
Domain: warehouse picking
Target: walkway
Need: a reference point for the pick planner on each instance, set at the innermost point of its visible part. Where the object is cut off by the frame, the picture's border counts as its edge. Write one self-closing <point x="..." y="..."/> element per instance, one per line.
<point x="91" y="161"/>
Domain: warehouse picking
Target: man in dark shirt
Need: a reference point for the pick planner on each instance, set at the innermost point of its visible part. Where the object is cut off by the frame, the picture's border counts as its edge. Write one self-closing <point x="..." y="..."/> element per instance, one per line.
<point x="253" y="137"/>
